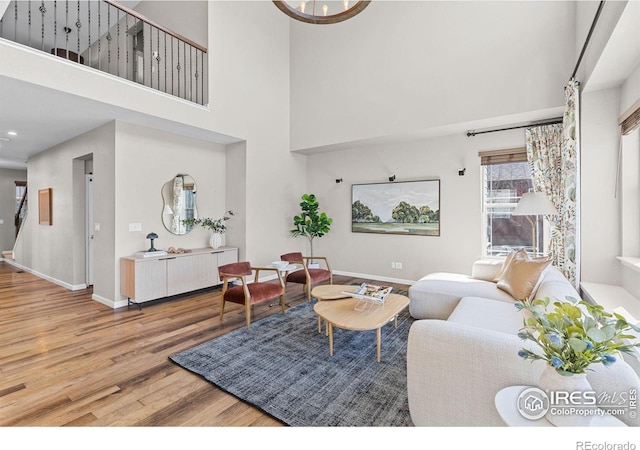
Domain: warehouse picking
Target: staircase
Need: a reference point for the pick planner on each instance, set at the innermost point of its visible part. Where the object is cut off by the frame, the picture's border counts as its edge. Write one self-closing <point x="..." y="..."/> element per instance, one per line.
<point x="19" y="218"/>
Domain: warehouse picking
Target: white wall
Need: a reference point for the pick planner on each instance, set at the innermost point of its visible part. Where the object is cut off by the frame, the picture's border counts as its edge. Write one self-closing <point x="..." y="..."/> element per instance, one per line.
<point x="188" y="18"/>
<point x="145" y="159"/>
<point x="399" y="67"/>
<point x="460" y="242"/>
<point x="8" y="180"/>
<point x="600" y="212"/>
<point x="41" y="248"/>
<point x="249" y="81"/>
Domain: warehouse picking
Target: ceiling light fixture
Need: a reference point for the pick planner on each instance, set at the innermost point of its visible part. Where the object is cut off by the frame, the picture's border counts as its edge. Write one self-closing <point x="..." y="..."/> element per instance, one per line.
<point x="324" y="12"/>
<point x="12" y="133"/>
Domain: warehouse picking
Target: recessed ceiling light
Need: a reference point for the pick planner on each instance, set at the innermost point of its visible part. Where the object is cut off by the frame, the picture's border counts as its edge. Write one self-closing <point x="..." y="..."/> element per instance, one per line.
<point x="12" y="133"/>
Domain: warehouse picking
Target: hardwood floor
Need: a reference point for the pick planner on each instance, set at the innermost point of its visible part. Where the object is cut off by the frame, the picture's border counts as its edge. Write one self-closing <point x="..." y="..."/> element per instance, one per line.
<point x="67" y="360"/>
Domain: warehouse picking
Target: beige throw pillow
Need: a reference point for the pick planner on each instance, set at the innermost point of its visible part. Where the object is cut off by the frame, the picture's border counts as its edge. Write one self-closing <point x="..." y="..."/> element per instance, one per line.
<point x="521" y="276"/>
<point x="519" y="254"/>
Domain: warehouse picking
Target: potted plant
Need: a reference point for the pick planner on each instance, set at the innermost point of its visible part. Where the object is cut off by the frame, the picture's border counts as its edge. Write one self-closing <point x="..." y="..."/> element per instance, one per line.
<point x="217" y="226"/>
<point x="310" y="223"/>
<point x="572" y="335"/>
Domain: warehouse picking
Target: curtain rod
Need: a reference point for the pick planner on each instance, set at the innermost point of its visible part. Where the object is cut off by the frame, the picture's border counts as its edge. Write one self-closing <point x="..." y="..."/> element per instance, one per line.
<point x="586" y="42"/>
<point x="537" y="124"/>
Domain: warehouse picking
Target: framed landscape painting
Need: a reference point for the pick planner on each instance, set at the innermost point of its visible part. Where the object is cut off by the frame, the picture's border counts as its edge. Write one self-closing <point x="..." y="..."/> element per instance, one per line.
<point x="405" y="207"/>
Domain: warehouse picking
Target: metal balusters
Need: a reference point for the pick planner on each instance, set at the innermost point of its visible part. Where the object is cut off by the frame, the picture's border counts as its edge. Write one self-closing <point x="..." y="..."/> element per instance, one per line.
<point x="108" y="40"/>
<point x="29" y="23"/>
<point x="43" y="11"/>
<point x="78" y="26"/>
<point x="158" y="59"/>
<point x="99" y="39"/>
<point x="184" y="55"/>
<point x="166" y="61"/>
<point x="126" y="43"/>
<point x="178" y="69"/>
<point x="55" y="24"/>
<point x="67" y="30"/>
<point x="172" y="81"/>
<point x="118" y="46"/>
<point x="15" y="27"/>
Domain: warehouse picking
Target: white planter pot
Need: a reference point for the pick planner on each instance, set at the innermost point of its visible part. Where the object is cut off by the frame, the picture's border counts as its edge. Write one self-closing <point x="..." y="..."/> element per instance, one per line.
<point x="215" y="240"/>
<point x="552" y="383"/>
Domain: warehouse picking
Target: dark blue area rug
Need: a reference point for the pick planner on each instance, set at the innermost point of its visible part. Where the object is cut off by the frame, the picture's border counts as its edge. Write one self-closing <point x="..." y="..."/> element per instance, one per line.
<point x="282" y="366"/>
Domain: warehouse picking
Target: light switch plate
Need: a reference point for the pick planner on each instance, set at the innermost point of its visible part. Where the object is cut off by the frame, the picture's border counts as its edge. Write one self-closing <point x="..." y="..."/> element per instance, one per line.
<point x="135" y="227"/>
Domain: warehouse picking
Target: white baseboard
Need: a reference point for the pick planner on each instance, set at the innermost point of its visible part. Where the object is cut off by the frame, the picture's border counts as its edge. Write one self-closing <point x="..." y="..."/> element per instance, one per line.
<point x="64" y="284"/>
<point x="108" y="302"/>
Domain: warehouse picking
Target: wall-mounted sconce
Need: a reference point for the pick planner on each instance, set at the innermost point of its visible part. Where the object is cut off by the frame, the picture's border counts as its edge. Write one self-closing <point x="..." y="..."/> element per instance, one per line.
<point x="461" y="172"/>
<point x="338" y="180"/>
<point x="392" y="178"/>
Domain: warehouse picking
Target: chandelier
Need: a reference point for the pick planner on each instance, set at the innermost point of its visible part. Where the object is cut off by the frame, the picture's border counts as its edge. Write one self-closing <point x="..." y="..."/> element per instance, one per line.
<point x="322" y="12"/>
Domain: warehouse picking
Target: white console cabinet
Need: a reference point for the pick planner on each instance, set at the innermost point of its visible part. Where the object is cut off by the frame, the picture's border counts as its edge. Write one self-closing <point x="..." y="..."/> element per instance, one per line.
<point x="144" y="279"/>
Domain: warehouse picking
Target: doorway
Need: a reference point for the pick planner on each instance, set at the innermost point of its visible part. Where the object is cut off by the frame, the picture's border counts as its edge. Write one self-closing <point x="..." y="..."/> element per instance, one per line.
<point x="89" y="228"/>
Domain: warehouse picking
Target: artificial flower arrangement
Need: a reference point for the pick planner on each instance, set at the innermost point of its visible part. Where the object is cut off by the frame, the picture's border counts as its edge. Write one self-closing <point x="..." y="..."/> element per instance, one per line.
<point x="214" y="225"/>
<point x="575" y="334"/>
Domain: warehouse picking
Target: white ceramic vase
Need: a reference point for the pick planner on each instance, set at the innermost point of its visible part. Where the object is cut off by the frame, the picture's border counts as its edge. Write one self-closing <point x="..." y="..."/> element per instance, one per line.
<point x="215" y="240"/>
<point x="558" y="387"/>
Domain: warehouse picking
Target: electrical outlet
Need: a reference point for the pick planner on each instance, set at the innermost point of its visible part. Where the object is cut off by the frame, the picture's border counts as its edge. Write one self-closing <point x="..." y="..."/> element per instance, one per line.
<point x="398" y="265"/>
<point x="393" y="265"/>
<point x="135" y="227"/>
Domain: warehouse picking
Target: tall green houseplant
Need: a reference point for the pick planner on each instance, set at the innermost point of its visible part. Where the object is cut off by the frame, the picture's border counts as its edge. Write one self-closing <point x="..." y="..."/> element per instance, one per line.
<point x="310" y="223"/>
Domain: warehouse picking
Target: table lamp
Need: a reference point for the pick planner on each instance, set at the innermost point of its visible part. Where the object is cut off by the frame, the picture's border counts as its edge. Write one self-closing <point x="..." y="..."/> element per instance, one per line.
<point x="152" y="236"/>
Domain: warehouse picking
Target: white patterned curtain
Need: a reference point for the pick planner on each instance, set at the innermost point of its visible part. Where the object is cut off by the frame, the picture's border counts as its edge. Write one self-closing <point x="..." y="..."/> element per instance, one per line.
<point x="553" y="153"/>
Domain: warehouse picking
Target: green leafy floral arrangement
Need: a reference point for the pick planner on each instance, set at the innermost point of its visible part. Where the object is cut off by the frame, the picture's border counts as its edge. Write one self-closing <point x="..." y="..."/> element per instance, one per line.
<point x="215" y="225"/>
<point x="575" y="334"/>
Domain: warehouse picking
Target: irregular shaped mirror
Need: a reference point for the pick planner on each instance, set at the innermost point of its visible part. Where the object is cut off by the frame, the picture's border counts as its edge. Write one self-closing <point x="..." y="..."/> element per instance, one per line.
<point x="179" y="203"/>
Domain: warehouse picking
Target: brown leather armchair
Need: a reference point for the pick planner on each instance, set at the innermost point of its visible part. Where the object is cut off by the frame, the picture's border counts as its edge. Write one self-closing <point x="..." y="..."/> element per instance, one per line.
<point x="307" y="276"/>
<point x="248" y="293"/>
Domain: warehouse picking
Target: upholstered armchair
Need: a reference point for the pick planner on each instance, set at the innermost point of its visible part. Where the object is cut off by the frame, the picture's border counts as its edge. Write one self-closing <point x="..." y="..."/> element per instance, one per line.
<point x="248" y="292"/>
<point x="307" y="276"/>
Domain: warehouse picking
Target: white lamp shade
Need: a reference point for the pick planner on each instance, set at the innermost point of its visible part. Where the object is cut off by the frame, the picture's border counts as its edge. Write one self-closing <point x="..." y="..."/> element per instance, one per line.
<point x="534" y="204"/>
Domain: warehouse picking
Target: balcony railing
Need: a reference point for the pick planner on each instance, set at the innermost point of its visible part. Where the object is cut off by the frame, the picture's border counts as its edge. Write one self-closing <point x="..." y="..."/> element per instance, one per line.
<point x="111" y="38"/>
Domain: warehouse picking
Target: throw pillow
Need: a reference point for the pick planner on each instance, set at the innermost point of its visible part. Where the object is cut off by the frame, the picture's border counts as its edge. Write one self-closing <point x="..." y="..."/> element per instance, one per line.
<point x="521" y="276"/>
<point x="520" y="254"/>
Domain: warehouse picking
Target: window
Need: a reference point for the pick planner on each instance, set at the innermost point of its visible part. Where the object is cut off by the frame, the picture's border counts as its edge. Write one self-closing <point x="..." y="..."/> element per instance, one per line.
<point x="506" y="176"/>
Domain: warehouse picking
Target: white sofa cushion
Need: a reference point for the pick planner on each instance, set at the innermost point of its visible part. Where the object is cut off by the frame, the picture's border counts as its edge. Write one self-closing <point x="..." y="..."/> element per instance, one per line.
<point x="436" y="295"/>
<point x="486" y="269"/>
<point x="488" y="314"/>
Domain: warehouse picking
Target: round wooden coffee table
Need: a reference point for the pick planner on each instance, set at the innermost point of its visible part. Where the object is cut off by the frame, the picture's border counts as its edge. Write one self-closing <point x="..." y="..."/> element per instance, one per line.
<point x="343" y="314"/>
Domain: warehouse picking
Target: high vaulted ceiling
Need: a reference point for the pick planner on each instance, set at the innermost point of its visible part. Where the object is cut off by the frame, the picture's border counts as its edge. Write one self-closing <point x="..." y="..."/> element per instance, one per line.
<point x="45" y="117"/>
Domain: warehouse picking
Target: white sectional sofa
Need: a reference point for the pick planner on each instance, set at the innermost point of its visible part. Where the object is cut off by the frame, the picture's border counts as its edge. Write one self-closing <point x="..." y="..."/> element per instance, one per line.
<point x="463" y="348"/>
